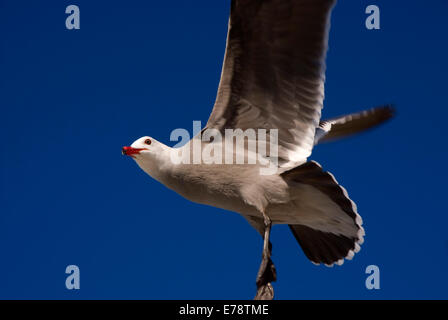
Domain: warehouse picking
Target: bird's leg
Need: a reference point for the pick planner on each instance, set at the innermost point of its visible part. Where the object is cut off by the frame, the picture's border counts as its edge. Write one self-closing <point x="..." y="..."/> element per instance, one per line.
<point x="266" y="273"/>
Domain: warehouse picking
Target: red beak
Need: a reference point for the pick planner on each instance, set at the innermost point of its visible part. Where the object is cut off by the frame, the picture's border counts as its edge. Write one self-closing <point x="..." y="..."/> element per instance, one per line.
<point x="129" y="151"/>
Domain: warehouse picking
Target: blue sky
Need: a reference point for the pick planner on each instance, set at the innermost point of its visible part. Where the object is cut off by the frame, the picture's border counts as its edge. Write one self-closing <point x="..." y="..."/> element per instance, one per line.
<point x="70" y="99"/>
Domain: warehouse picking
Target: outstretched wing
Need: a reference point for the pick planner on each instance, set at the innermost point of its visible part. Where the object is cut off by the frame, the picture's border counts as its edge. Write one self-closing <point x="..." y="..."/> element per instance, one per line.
<point x="274" y="72"/>
<point x="351" y="124"/>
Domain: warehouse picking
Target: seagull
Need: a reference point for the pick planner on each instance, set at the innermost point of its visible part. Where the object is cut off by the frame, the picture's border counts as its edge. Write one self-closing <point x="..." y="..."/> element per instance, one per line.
<point x="272" y="79"/>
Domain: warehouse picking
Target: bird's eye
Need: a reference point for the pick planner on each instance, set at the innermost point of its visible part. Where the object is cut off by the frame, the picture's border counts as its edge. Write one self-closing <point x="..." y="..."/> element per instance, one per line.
<point x="148" y="141"/>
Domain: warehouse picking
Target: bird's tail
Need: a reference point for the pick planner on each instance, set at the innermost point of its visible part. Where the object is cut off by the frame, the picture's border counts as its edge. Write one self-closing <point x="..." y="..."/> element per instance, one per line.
<point x="326" y="224"/>
<point x="354" y="123"/>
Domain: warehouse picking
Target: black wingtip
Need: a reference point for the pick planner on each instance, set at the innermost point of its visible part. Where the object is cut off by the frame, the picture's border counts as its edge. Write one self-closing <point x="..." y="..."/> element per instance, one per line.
<point x="387" y="111"/>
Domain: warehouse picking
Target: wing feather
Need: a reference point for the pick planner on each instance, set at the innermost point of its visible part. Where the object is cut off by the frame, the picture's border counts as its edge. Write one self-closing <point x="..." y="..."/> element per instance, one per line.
<point x="274" y="71"/>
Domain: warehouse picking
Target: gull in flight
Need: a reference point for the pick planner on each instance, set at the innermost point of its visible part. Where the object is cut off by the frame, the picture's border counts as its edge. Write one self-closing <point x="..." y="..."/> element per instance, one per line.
<point x="272" y="79"/>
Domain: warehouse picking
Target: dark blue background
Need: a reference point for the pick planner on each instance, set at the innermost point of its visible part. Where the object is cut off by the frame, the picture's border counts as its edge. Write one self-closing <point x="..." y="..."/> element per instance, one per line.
<point x="71" y="98"/>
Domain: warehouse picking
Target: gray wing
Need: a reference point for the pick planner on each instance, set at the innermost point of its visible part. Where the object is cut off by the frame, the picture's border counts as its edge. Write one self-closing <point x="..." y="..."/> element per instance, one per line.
<point x="274" y="71"/>
<point x="341" y="127"/>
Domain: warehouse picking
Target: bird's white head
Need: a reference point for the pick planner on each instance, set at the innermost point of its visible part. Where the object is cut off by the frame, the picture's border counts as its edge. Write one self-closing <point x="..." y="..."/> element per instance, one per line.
<point x="141" y="148"/>
<point x="151" y="155"/>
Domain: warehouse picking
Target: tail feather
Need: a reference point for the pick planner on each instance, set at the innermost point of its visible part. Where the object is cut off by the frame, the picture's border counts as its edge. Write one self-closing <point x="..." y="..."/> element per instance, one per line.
<point x="351" y="124"/>
<point x="324" y="247"/>
<point x="328" y="226"/>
